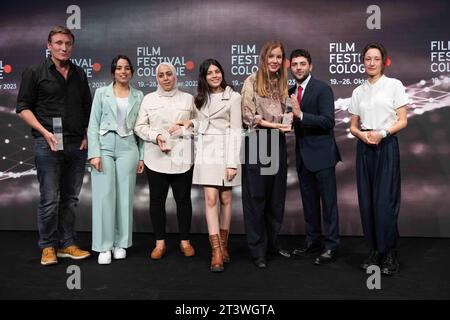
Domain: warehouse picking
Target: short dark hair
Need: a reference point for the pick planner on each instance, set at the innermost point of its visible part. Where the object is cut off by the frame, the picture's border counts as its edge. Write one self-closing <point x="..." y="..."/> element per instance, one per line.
<point x="116" y="59"/>
<point x="374" y="45"/>
<point x="60" y="29"/>
<point x="300" y="53"/>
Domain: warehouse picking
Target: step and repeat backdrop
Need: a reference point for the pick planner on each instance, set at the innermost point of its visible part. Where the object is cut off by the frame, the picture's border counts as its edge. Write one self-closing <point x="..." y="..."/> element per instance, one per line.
<point x="416" y="34"/>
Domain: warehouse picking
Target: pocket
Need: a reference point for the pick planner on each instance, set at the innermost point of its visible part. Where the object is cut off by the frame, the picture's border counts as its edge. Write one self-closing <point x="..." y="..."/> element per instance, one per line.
<point x="41" y="143"/>
<point x="106" y="140"/>
<point x="184" y="113"/>
<point x="153" y="108"/>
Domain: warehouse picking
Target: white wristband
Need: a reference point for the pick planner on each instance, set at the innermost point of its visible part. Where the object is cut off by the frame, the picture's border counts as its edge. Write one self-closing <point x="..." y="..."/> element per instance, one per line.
<point x="383" y="133"/>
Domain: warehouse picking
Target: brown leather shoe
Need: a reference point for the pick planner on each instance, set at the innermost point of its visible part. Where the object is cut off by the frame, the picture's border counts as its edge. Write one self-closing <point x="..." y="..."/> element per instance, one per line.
<point x="216" y="254"/>
<point x="48" y="256"/>
<point x="73" y="252"/>
<point x="158" y="253"/>
<point x="187" y="250"/>
<point x="224" y="245"/>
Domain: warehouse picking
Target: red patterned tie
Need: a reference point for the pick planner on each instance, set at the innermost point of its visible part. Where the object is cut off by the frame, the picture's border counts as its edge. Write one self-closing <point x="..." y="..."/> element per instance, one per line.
<point x="299" y="95"/>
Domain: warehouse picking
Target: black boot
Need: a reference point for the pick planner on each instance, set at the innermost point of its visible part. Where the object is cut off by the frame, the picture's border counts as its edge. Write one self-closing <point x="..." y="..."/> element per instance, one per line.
<point x="390" y="264"/>
<point x="374" y="258"/>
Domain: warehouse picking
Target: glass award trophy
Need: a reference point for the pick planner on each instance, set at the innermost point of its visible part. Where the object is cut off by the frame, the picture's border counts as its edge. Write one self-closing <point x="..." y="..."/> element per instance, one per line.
<point x="287" y="114"/>
<point x="58" y="133"/>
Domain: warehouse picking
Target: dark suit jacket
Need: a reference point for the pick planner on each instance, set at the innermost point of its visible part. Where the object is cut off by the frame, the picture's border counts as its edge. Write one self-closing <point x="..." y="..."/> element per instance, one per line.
<point x="315" y="142"/>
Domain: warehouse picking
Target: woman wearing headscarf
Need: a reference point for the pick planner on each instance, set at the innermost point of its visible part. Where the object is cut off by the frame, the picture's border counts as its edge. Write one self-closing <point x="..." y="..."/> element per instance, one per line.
<point x="168" y="155"/>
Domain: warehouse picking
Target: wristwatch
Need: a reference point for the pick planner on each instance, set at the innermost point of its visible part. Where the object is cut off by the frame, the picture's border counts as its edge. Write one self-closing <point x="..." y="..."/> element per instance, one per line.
<point x="385" y="133"/>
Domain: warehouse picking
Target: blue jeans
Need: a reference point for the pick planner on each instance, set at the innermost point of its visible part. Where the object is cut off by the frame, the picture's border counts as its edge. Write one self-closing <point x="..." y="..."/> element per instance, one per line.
<point x="60" y="175"/>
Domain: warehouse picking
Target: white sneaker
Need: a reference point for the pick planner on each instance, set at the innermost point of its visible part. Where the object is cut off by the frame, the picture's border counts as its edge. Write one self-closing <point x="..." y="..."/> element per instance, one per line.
<point x="119" y="253"/>
<point x="104" y="257"/>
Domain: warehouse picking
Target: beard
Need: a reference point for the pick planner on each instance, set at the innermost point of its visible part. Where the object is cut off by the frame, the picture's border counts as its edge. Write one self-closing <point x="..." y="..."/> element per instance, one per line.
<point x="302" y="78"/>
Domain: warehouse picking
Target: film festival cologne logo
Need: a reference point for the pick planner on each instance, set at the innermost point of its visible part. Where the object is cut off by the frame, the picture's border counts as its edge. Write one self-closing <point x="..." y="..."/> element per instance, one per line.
<point x="345" y="65"/>
<point x="440" y="56"/>
<point x="149" y="57"/>
<point x="244" y="61"/>
<point x="89" y="66"/>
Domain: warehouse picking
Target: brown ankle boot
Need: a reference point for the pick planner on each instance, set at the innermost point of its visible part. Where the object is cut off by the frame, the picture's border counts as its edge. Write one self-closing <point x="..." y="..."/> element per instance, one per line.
<point x="224" y="244"/>
<point x="216" y="259"/>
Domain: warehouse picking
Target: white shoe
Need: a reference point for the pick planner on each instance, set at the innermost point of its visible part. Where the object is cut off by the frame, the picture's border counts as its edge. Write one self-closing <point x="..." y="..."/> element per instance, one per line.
<point x="119" y="253"/>
<point x="104" y="257"/>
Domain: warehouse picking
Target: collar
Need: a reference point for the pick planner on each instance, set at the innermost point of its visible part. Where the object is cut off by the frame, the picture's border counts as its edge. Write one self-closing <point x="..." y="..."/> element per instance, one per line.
<point x="50" y="64"/>
<point x="305" y="82"/>
<point x="378" y="83"/>
<point x="226" y="95"/>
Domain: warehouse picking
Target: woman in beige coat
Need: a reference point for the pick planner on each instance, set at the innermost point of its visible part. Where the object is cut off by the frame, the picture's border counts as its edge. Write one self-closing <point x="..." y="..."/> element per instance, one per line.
<point x="217" y="164"/>
<point x="168" y="155"/>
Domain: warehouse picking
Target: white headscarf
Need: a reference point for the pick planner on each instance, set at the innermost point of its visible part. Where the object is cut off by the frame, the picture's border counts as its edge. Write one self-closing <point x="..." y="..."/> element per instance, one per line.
<point x="160" y="90"/>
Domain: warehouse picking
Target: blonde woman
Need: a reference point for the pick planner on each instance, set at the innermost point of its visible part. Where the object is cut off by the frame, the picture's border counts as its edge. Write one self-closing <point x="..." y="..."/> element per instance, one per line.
<point x="264" y="184"/>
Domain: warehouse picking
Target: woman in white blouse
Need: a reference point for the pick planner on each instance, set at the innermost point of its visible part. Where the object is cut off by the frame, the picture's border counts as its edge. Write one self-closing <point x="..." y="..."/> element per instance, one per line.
<point x="378" y="109"/>
<point x="168" y="155"/>
<point x="217" y="163"/>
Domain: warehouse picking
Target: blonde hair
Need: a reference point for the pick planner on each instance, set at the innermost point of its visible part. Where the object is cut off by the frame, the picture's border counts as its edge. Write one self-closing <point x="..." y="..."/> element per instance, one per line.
<point x="263" y="74"/>
<point x="60" y="29"/>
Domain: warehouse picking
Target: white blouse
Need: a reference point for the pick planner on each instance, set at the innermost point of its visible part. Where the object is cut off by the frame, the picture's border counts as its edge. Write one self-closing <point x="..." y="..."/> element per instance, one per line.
<point x="376" y="104"/>
<point x="122" y="106"/>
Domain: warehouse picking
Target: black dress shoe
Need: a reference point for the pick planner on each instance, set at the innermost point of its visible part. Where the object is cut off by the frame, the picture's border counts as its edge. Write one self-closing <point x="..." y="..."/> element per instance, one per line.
<point x="327" y="256"/>
<point x="390" y="264"/>
<point x="284" y="253"/>
<point x="374" y="258"/>
<point x="260" y="262"/>
<point x="280" y="252"/>
<point x="307" y="249"/>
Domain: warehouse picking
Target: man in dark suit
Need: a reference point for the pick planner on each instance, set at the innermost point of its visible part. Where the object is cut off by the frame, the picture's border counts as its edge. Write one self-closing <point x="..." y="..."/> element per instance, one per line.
<point x="317" y="155"/>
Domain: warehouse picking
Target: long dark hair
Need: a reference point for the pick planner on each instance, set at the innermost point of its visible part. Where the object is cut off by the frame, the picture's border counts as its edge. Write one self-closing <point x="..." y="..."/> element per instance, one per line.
<point x="203" y="89"/>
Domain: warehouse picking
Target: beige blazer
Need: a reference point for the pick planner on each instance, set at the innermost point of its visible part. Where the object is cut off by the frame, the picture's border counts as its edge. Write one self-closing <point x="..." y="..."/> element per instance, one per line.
<point x="156" y="114"/>
<point x="218" y="127"/>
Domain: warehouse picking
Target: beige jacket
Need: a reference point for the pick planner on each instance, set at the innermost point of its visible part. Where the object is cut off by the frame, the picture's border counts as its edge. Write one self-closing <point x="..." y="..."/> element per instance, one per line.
<point x="218" y="127"/>
<point x="156" y="114"/>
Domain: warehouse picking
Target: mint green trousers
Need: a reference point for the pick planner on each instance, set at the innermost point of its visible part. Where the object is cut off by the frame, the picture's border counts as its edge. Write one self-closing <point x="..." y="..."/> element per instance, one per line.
<point x="113" y="192"/>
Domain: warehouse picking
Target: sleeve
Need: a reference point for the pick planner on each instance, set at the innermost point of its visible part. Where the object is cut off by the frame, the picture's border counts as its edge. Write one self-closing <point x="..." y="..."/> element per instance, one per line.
<point x="140" y="142"/>
<point x="143" y="127"/>
<point x="234" y="132"/>
<point x="325" y="117"/>
<point x="354" y="104"/>
<point x="27" y="91"/>
<point x="93" y="131"/>
<point x="400" y="96"/>
<point x="194" y="117"/>
<point x="87" y="100"/>
<point x="249" y="116"/>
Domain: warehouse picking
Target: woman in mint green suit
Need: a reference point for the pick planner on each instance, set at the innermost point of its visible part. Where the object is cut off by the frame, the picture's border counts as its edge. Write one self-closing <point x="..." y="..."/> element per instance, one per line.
<point x="116" y="155"/>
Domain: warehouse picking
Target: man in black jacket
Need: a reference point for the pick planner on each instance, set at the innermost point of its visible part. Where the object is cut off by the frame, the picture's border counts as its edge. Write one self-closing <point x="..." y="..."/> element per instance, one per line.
<point x="317" y="155"/>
